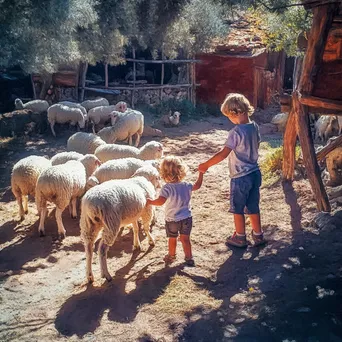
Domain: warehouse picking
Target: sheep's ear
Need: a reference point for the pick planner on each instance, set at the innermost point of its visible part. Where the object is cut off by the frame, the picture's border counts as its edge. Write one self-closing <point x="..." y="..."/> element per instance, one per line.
<point x="170" y="112"/>
<point x="98" y="162"/>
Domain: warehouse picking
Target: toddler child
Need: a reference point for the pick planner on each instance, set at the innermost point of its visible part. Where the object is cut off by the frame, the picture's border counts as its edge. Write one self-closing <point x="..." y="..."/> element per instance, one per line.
<point x="176" y="195"/>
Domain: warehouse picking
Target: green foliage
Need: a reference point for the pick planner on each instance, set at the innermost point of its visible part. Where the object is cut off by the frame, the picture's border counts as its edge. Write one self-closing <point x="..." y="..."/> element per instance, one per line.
<point x="40" y="36"/>
<point x="283" y="26"/>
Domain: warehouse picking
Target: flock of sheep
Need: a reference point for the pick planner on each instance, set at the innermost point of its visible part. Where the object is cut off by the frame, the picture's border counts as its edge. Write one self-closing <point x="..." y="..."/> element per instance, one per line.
<point x="114" y="181"/>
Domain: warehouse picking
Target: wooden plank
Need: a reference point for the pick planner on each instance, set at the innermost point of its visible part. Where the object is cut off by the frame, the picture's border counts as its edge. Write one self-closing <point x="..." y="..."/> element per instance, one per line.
<point x="134" y="77"/>
<point x="162" y="77"/>
<point x="314" y="101"/>
<point x="83" y="80"/>
<point x="337" y="142"/>
<point x="152" y="87"/>
<point x="172" y="61"/>
<point x="33" y="87"/>
<point x="102" y="90"/>
<point x="106" y="74"/>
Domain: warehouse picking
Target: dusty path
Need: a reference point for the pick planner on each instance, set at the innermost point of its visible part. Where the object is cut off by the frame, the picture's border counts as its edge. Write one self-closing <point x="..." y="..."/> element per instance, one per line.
<point x="287" y="291"/>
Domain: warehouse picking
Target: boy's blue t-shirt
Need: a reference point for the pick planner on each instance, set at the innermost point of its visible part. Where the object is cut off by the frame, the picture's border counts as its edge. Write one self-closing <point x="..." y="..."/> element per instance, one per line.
<point x="244" y="141"/>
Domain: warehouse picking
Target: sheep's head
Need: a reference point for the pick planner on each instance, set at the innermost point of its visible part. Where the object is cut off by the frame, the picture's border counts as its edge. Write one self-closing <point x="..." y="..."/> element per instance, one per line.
<point x="174" y="119"/>
<point x="91" y="163"/>
<point x="150" y="173"/>
<point x="114" y="116"/>
<point x="18" y="104"/>
<point x="91" y="182"/>
<point x="82" y="121"/>
<point x="152" y="150"/>
<point x="121" y="106"/>
<point x="154" y="163"/>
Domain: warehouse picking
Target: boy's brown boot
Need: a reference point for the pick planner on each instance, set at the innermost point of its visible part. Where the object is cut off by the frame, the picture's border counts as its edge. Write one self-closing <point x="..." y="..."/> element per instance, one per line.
<point x="237" y="241"/>
<point x="258" y="239"/>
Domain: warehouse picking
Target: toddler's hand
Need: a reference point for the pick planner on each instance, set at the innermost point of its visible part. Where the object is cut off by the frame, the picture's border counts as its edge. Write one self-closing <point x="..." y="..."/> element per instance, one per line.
<point x="202" y="168"/>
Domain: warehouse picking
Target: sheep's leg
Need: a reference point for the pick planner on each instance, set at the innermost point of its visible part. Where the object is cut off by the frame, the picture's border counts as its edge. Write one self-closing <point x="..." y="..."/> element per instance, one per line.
<point x="61" y="229"/>
<point x="137" y="141"/>
<point x="103" y="249"/>
<point x="93" y="127"/>
<point x="130" y="140"/>
<point x="89" y="245"/>
<point x="136" y="241"/>
<point x="146" y="216"/>
<point x="74" y="211"/>
<point x="52" y="128"/>
<point x="21" y="208"/>
<point x="42" y="212"/>
<point x="25" y="200"/>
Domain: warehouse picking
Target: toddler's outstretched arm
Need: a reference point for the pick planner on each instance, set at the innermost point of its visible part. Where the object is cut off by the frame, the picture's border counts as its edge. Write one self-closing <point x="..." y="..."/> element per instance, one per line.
<point x="198" y="183"/>
<point x="157" y="202"/>
<point x="218" y="157"/>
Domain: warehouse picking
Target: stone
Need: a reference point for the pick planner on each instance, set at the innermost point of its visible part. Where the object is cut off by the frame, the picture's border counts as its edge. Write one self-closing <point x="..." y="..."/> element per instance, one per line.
<point x="267" y="128"/>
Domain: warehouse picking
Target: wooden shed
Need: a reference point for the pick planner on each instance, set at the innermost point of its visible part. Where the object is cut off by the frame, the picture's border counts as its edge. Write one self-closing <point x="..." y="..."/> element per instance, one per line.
<point x="240" y="63"/>
<point x="317" y="88"/>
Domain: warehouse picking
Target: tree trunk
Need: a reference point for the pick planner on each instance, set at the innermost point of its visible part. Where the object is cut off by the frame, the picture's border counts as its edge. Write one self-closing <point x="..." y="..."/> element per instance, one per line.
<point x="46" y="82"/>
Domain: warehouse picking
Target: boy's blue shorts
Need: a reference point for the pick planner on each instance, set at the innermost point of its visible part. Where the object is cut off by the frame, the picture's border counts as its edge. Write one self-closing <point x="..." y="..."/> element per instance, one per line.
<point x="245" y="194"/>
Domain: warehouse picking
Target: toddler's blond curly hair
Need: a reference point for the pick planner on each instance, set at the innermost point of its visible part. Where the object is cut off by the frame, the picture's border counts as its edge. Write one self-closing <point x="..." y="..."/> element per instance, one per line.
<point x="173" y="169"/>
<point x="236" y="104"/>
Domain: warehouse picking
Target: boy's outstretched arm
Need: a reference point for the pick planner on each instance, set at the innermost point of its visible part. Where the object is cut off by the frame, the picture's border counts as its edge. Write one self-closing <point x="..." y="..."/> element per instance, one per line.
<point x="157" y="202"/>
<point x="218" y="157"/>
<point x="198" y="183"/>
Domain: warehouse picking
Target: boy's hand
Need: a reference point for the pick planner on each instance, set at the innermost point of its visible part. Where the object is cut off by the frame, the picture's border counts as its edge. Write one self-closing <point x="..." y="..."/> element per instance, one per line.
<point x="202" y="168"/>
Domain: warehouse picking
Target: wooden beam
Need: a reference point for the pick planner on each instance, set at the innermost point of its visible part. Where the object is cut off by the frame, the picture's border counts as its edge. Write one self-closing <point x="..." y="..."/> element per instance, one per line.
<point x="151" y="87"/>
<point x="321" y="23"/>
<point x="162" y="77"/>
<point x="134" y="77"/>
<point x="290" y="138"/>
<point x="83" y="80"/>
<point x="106" y="74"/>
<point x="318" y="102"/>
<point x="337" y="142"/>
<point x="33" y="88"/>
<point x="309" y="155"/>
<point x="172" y="61"/>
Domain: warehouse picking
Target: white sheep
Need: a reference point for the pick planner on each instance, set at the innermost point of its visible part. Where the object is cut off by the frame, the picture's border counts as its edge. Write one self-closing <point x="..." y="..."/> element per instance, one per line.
<point x="59" y="113"/>
<point x="109" y="206"/>
<point x="170" y="119"/>
<point x="280" y="120"/>
<point x="84" y="143"/>
<point x="74" y="105"/>
<point x="63" y="157"/>
<point x="151" y="150"/>
<point x="125" y="126"/>
<point x="90" y="104"/>
<point x="121" y="169"/>
<point x="324" y="126"/>
<point x="24" y="178"/>
<point x="37" y="106"/>
<point x="62" y="185"/>
<point x="102" y="114"/>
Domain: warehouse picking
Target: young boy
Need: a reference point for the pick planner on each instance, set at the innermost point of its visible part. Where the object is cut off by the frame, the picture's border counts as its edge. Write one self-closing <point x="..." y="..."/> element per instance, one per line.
<point x="241" y="148"/>
<point x="176" y="195"/>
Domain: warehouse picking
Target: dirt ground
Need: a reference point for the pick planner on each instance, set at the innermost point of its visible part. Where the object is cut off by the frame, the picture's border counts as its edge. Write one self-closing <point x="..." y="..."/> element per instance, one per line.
<point x="290" y="290"/>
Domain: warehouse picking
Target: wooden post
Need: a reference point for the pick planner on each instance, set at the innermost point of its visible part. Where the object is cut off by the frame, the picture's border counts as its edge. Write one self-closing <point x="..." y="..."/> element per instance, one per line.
<point x="162" y="77"/>
<point x="321" y="23"/>
<point x="134" y="77"/>
<point x="188" y="80"/>
<point x="290" y="135"/>
<point x="83" y="80"/>
<point x="33" y="88"/>
<point x="106" y="75"/>
<point x="337" y="142"/>
<point x="193" y="84"/>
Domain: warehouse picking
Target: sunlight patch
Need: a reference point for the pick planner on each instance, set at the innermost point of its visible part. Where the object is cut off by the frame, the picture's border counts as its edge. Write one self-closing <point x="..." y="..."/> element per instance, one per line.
<point x="183" y="295"/>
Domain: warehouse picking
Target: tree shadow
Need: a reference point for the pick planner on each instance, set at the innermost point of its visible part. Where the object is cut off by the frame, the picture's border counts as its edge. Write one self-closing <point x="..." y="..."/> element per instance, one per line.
<point x="82" y="313"/>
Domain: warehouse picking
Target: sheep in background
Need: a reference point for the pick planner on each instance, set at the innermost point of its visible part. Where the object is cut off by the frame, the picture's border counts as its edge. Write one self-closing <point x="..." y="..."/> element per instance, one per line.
<point x="63" y="157"/>
<point x="280" y="120"/>
<point x="84" y="143"/>
<point x="24" y="178"/>
<point x="125" y="126"/>
<point x="90" y="104"/>
<point x="324" y="126"/>
<point x="59" y="113"/>
<point x="170" y="119"/>
<point x="121" y="169"/>
<point x="62" y="185"/>
<point x="334" y="167"/>
<point x="152" y="132"/>
<point x="37" y="106"/>
<point x="111" y="205"/>
<point x="151" y="150"/>
<point x="102" y="114"/>
<point x="74" y="105"/>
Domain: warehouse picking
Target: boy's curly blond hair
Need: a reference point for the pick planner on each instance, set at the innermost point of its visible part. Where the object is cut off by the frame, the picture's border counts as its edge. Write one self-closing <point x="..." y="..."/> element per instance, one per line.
<point x="236" y="104"/>
<point x="172" y="169"/>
